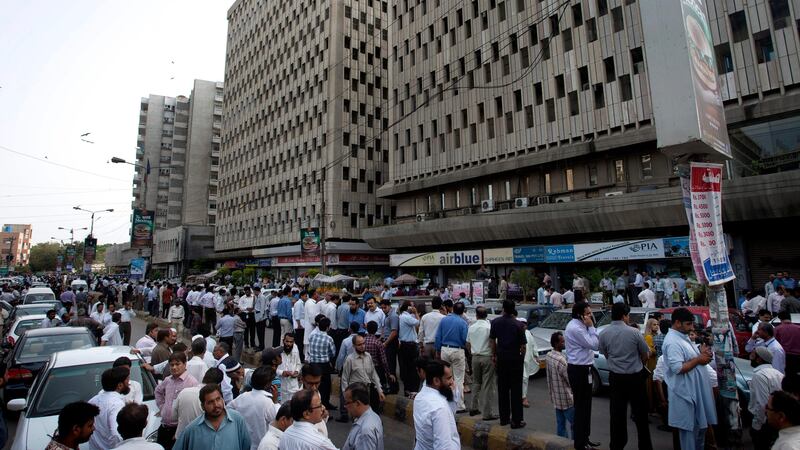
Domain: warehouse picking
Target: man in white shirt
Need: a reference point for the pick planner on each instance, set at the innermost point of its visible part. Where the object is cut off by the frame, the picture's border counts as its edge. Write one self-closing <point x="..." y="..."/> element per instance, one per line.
<point x="647" y="297"/>
<point x="310" y="312"/>
<point x="146" y="344"/>
<point x="115" y="383"/>
<point x="556" y="298"/>
<point x="434" y="423"/>
<point x="769" y="286"/>
<point x="100" y="315"/>
<point x="197" y="366"/>
<point x="289" y="369"/>
<point x="51" y="320"/>
<point x="568" y="297"/>
<point x="246" y="305"/>
<point x="775" y="299"/>
<point x="111" y="334"/>
<point x="274" y="319"/>
<point x="484" y="393"/>
<point x="256" y="406"/>
<point x="766" y="380"/>
<point x="283" y="420"/>
<point x="298" y="319"/>
<point x="428" y="325"/>
<point x="386" y="294"/>
<point x="126" y="315"/>
<point x="307" y="412"/>
<point x="753" y="304"/>
<point x="374" y="314"/>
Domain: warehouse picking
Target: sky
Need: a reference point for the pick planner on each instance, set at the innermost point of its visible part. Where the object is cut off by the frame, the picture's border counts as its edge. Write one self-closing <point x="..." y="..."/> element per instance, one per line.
<point x="82" y="66"/>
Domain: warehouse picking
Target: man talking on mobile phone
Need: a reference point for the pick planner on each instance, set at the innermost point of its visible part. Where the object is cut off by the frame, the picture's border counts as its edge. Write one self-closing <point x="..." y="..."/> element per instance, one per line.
<point x="582" y="341"/>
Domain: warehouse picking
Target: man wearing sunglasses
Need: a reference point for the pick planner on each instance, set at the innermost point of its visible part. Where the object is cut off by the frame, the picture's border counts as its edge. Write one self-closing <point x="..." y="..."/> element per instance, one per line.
<point x="307" y="411"/>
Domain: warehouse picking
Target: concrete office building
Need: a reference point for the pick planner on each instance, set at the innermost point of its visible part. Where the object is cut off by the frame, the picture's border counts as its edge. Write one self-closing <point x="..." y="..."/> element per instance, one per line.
<point x="525" y="123"/>
<point x="15" y="240"/>
<point x="306" y="97"/>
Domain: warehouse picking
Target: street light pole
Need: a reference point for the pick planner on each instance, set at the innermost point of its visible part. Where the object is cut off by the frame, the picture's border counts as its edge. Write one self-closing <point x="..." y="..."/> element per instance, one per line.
<point x="72" y="231"/>
<point x="91" y="230"/>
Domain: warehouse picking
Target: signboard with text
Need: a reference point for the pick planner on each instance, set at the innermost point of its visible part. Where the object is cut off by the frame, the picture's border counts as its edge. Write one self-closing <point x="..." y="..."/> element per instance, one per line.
<point x="138" y="268"/>
<point x="142" y="229"/>
<point x="706" y="201"/>
<point x="89" y="250"/>
<point x="309" y="241"/>
<point x="456" y="258"/>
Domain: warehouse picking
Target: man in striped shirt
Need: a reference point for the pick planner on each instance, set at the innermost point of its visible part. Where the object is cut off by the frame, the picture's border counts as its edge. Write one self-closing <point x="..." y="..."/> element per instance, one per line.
<point x="560" y="390"/>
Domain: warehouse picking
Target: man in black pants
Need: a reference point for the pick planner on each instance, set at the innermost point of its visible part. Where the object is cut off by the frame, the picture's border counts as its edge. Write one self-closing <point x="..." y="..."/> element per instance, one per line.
<point x="625" y="349"/>
<point x="582" y="341"/>
<point x="507" y="339"/>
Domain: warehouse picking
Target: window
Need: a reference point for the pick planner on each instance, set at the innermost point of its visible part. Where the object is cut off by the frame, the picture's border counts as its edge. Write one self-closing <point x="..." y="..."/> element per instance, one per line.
<point x="566" y="39"/>
<point x="780" y="13"/>
<point x="569" y="179"/>
<point x="724" y="58"/>
<point x="509" y="123"/>
<point x="583" y="77"/>
<point x="647" y="167"/>
<point x="345" y="173"/>
<point x="458" y="199"/>
<point x="501" y="11"/>
<point x="625" y="88"/>
<point x="637" y="60"/>
<point x="619" y="23"/>
<point x="547" y="185"/>
<point x="473" y="196"/>
<point x="554" y="25"/>
<point x="764" y="50"/>
<point x="577" y="15"/>
<point x="739" y="26"/>
<point x="551" y="110"/>
<point x="619" y="171"/>
<point x="529" y="116"/>
<point x="518" y="100"/>
<point x="537" y="91"/>
<point x="602" y="7"/>
<point x="545" y="43"/>
<point x="442" y="201"/>
<point x="560" y="91"/>
<point x="345" y="209"/>
<point x="592" y="175"/>
<point x="591" y="30"/>
<point x="489" y="189"/>
<point x="490" y="128"/>
<point x="599" y="96"/>
<point x="574" y="109"/>
<point x="608" y="64"/>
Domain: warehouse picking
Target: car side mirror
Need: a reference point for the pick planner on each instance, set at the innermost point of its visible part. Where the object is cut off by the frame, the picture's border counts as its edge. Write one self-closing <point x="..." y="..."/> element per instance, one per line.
<point x="17" y="404"/>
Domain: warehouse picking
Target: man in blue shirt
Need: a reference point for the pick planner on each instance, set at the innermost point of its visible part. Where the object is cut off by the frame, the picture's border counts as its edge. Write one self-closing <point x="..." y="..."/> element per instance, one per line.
<point x="217" y="428"/>
<point x="356" y="314"/>
<point x="285" y="313"/>
<point x="451" y="338"/>
<point x="409" y="319"/>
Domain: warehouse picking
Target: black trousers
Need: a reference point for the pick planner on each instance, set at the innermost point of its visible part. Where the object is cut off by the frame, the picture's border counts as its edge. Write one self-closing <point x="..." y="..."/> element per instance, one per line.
<point x="125" y="331"/>
<point x="792" y="364"/>
<point x="582" y="396"/>
<point x="166" y="436"/>
<point x="228" y="340"/>
<point x="210" y="315"/>
<point x="276" y="331"/>
<point x="250" y="331"/>
<point x="325" y="383"/>
<point x="509" y="389"/>
<point x="408" y="369"/>
<point x="261" y="331"/>
<point x="299" y="333"/>
<point x="629" y="388"/>
<point x="391" y="358"/>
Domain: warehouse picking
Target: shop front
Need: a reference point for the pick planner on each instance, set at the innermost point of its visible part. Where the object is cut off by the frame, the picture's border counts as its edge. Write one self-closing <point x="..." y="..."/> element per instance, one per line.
<point x="291" y="266"/>
<point x="439" y="267"/>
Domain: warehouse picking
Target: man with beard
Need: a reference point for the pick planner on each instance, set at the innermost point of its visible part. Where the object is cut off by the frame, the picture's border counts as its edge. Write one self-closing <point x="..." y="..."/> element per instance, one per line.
<point x="75" y="426"/>
<point x="766" y="380"/>
<point x="434" y="422"/>
<point x="289" y="370"/>
<point x="116" y="386"/>
<point x="359" y="368"/>
<point x="166" y="393"/>
<point x="217" y="428"/>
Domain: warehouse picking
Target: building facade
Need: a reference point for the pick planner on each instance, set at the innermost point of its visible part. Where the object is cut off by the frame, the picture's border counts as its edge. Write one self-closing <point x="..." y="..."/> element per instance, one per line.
<point x="15" y="241"/>
<point x="520" y="124"/>
<point x="306" y="100"/>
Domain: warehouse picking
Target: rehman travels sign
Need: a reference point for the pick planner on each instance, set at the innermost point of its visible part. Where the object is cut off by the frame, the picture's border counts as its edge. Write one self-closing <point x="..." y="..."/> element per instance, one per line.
<point x="681" y="67"/>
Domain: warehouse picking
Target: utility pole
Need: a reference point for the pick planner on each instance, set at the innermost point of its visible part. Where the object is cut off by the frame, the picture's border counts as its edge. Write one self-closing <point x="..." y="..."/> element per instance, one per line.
<point x="322" y="225"/>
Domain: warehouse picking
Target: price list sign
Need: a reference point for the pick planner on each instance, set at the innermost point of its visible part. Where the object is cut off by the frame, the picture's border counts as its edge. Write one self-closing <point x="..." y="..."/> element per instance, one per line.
<point x="706" y="202"/>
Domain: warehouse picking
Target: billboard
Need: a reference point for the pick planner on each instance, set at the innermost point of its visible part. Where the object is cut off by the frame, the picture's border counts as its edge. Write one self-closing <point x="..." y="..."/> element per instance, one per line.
<point x="682" y="71"/>
<point x="457" y="258"/>
<point x="89" y="250"/>
<point x="309" y="241"/>
<point x="138" y="268"/>
<point x="142" y="229"/>
<point x="706" y="201"/>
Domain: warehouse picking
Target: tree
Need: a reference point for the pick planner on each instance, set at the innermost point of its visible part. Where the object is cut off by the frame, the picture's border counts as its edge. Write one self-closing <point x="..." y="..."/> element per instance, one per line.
<point x="44" y="256"/>
<point x="527" y="281"/>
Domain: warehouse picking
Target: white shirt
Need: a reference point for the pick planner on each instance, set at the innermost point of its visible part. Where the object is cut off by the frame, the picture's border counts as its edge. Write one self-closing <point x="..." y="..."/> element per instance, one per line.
<point x="304" y="435"/>
<point x="175" y="312"/>
<point x="271" y="440"/>
<point x="193" y="297"/>
<point x="619" y="299"/>
<point x="103" y="318"/>
<point x="638" y="281"/>
<point x="105" y="434"/>
<point x="765" y="380"/>
<point x="434" y="422"/>
<point x="311" y="311"/>
<point x="478" y="338"/>
<point x="298" y="314"/>
<point x="568" y="297"/>
<point x="273" y="312"/>
<point x="197" y="368"/>
<point x="138" y="443"/>
<point x="111" y="334"/>
<point x="428" y="325"/>
<point x="774" y="303"/>
<point x="377" y="316"/>
<point x="245" y="302"/>
<point x="329" y="309"/>
<point x="661" y="371"/>
<point x="258" y="411"/>
<point x="145" y="345"/>
<point x="289" y="363"/>
<point x="648" y="298"/>
<point x="788" y="439"/>
<point x="126" y="316"/>
<point x="186" y="407"/>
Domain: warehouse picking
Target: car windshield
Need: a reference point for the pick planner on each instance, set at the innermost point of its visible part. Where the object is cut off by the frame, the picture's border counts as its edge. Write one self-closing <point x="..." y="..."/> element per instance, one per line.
<point x="43" y="297"/>
<point x="38" y="309"/>
<point x="557" y="321"/>
<point x="64" y="385"/>
<point x="637" y="318"/>
<point x="39" y="348"/>
<point x="25" y="325"/>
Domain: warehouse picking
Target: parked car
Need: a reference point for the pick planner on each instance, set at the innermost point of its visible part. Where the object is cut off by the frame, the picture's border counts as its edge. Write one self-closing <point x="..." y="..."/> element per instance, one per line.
<point x="556" y="321"/>
<point x="38" y="294"/>
<point x="494" y="309"/>
<point x="20" y="325"/>
<point x="638" y="315"/>
<point x="27" y="310"/>
<point x="702" y="317"/>
<point x="33" y="349"/>
<point x="71" y="376"/>
<point x="79" y="284"/>
<point x="534" y="314"/>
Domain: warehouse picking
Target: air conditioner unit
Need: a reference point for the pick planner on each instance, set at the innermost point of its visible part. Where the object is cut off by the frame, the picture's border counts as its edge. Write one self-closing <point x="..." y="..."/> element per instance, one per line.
<point x="422" y="217"/>
<point x="614" y="194"/>
<point x="487" y="205"/>
<point x="542" y="199"/>
<point x="563" y="199"/>
<point x="521" y="202"/>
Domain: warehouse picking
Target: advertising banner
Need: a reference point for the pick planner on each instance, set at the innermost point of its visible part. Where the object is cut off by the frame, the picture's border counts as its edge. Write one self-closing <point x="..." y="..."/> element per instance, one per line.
<point x="70" y="256"/>
<point x="620" y="250"/>
<point x="89" y="250"/>
<point x="138" y="268"/>
<point x="694" y="255"/>
<point x="142" y="229"/>
<point x="478" y="291"/>
<point x="309" y="241"/>
<point x="529" y="255"/>
<point x="498" y="256"/>
<point x="458" y="288"/>
<point x="706" y="201"/>
<point x="457" y="258"/>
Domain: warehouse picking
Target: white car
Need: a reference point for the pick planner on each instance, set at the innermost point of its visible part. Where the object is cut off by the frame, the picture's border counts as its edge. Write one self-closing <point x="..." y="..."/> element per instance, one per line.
<point x="79" y="284"/>
<point x="22" y="324"/>
<point x="72" y="376"/>
<point x="39" y="294"/>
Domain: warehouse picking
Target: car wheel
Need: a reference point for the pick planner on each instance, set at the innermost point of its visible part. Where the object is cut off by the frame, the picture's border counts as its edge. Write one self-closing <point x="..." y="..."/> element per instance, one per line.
<point x="596" y="383"/>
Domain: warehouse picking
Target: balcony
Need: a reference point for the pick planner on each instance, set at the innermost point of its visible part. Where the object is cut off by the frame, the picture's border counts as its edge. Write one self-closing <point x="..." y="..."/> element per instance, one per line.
<point x="216" y="140"/>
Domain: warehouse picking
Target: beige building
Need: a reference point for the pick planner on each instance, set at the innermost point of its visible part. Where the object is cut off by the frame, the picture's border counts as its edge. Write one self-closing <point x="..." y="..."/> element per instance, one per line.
<point x="521" y="123"/>
<point x="15" y="240"/>
<point x="306" y="98"/>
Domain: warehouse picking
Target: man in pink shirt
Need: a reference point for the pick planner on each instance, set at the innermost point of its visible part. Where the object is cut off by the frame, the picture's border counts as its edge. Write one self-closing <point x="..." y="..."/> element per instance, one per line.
<point x="788" y="335"/>
<point x="167" y="392"/>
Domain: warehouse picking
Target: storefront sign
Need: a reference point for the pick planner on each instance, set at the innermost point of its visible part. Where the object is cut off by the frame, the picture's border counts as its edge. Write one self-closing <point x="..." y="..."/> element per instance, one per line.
<point x="706" y="201"/>
<point x="138" y="268"/>
<point x="529" y="255"/>
<point x="559" y="253"/>
<point x="357" y="260"/>
<point x="309" y="241"/>
<point x="142" y="229"/>
<point x="499" y="256"/>
<point x="620" y="250"/>
<point x="459" y="258"/>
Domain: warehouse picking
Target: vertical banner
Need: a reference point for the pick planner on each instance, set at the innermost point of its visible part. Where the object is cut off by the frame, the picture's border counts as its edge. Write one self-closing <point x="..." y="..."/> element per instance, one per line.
<point x="89" y="250"/>
<point x="309" y="241"/>
<point x="70" y="252"/>
<point x="706" y="200"/>
<point x="687" y="205"/>
<point x="142" y="228"/>
<point x="138" y="268"/>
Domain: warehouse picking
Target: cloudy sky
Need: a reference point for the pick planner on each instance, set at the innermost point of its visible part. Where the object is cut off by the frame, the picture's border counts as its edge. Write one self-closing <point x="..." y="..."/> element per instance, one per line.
<point x="82" y="66"/>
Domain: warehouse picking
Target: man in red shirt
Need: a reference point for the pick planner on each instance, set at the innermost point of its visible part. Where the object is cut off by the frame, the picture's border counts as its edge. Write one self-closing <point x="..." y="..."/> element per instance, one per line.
<point x="788" y="335"/>
<point x="166" y="300"/>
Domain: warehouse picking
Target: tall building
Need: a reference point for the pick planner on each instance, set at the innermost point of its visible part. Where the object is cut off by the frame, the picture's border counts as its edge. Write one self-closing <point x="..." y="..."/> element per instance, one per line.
<point x="305" y="101"/>
<point x="177" y="156"/>
<point x="526" y="129"/>
<point x="15" y="240"/>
